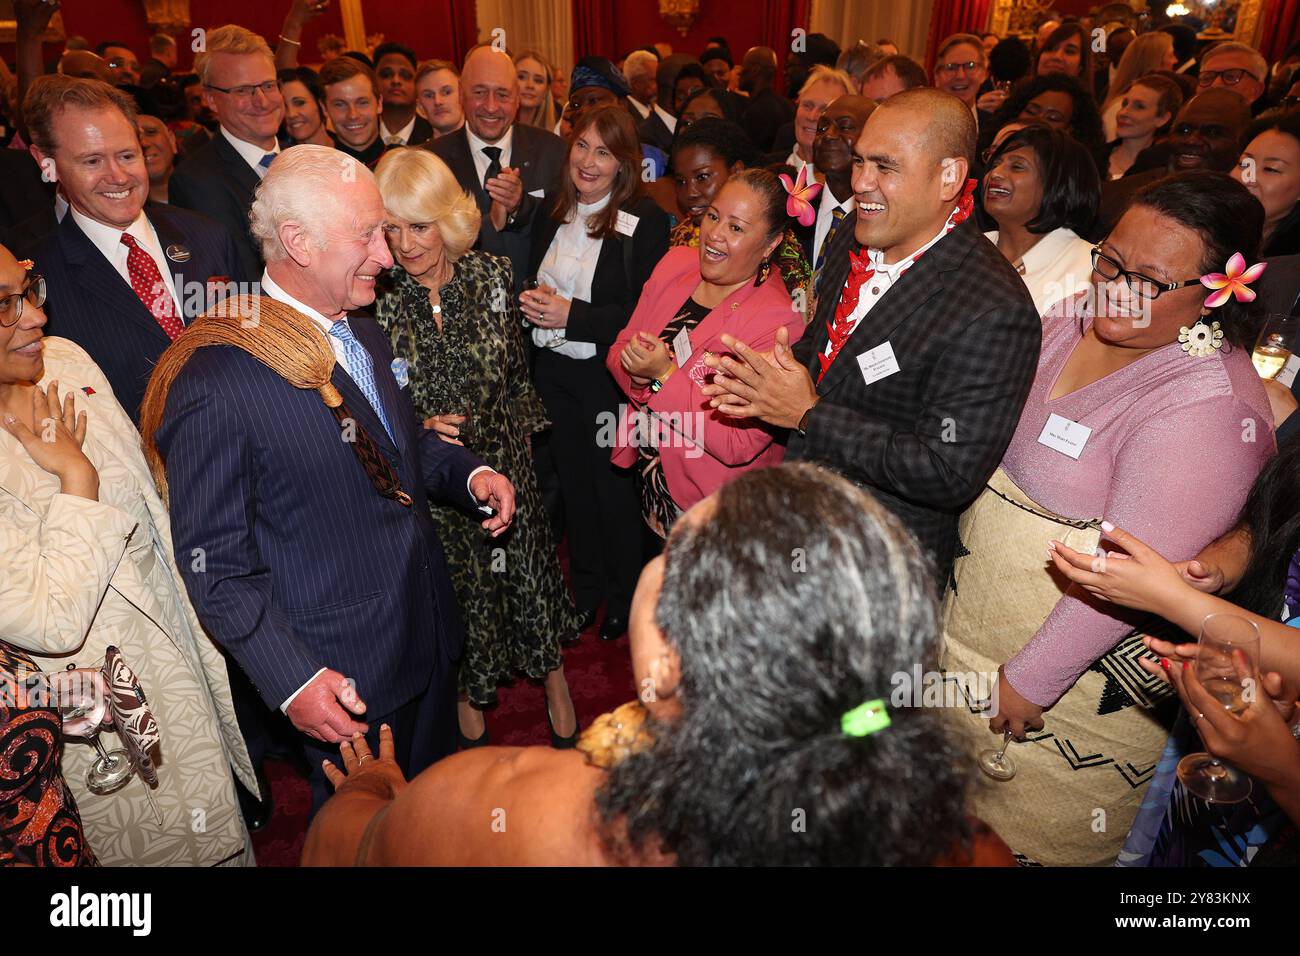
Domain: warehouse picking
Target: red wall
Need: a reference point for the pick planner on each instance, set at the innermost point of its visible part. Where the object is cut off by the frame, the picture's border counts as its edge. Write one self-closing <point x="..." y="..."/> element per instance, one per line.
<point x="421" y="24"/>
<point x="638" y="23"/>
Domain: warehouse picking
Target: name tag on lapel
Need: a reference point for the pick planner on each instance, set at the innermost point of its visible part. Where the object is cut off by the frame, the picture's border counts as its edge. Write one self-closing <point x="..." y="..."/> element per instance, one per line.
<point x="878" y="363"/>
<point x="682" y="348"/>
<point x="1065" y="436"/>
<point x="1287" y="375"/>
<point x="625" y="223"/>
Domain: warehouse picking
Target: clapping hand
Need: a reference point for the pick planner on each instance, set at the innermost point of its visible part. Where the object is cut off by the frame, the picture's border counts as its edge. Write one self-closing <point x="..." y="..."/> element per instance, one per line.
<point x="772" y="387"/>
<point x="507" y="192"/>
<point x="645" y="358"/>
<point x="57" y="449"/>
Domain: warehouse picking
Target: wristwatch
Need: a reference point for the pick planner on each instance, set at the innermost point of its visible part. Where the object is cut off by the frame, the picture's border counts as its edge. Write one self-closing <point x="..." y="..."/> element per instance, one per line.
<point x="802" y="427"/>
<point x="655" y="385"/>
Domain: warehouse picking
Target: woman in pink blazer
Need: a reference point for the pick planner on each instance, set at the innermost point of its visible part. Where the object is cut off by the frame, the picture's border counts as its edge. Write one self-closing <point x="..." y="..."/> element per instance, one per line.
<point x="684" y="450"/>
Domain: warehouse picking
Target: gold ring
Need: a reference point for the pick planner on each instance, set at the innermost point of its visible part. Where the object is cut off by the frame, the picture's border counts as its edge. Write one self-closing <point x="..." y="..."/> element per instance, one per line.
<point x="364" y="757"/>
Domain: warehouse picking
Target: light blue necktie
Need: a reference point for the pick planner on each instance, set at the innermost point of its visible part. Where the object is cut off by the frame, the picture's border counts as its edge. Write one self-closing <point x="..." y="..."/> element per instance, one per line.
<point x="361" y="368"/>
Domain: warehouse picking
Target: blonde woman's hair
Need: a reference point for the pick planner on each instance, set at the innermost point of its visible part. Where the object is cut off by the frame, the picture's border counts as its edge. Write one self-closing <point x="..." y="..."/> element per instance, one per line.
<point x="1144" y="55"/>
<point x="419" y="187"/>
<point x="826" y="74"/>
<point x="547" y="115"/>
<point x="232" y="39"/>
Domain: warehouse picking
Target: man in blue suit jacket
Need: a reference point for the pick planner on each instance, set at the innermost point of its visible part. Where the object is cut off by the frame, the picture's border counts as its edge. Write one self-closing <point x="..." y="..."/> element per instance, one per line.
<point x="335" y="600"/>
<point x="85" y="132"/>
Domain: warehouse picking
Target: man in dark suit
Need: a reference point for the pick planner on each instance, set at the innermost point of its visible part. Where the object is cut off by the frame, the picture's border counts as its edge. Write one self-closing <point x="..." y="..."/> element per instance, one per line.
<point x="123" y="277"/>
<point x="1206" y="134"/>
<point x="333" y="597"/>
<point x="511" y="170"/>
<point x="237" y="72"/>
<point x="395" y="67"/>
<point x="24" y="193"/>
<point x="764" y="113"/>
<point x="913" y="374"/>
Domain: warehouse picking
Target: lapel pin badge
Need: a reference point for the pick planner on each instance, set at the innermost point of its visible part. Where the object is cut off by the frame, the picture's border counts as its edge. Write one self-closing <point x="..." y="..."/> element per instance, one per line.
<point x="178" y="253"/>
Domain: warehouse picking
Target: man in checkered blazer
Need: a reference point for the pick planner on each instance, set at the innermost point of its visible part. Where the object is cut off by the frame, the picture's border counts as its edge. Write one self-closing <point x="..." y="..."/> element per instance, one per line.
<point x="924" y="343"/>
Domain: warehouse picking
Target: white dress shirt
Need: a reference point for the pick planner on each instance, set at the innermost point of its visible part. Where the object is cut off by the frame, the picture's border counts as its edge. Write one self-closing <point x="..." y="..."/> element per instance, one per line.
<point x="108" y="240"/>
<point x="644" y="112"/>
<point x="569" y="265"/>
<point x="874" y="289"/>
<point x="251" y="152"/>
<point x="480" y="158"/>
<point x="798" y="163"/>
<point x="401" y="137"/>
<point x="1057" y="267"/>
<point x="272" y="289"/>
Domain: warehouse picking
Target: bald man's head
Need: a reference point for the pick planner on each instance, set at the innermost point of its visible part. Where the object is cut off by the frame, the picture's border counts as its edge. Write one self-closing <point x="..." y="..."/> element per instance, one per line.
<point x="489" y="92"/>
<point x="757" y="69"/>
<point x="950" y="127"/>
<point x="85" y="65"/>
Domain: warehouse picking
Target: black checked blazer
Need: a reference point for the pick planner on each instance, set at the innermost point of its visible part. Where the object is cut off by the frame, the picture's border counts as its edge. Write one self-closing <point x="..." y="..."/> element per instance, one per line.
<point x="539" y="156"/>
<point x="217" y="182"/>
<point x="925" y="439"/>
<point x="91" y="304"/>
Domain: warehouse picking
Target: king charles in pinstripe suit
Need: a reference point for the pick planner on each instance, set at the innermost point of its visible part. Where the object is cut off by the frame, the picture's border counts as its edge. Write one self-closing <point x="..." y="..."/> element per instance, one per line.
<point x="336" y="601"/>
<point x="921" y="399"/>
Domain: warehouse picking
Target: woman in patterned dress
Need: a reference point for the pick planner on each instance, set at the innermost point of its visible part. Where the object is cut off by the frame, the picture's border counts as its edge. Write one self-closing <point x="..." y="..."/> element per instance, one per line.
<point x="39" y="823"/>
<point x="456" y="332"/>
<point x="86" y="562"/>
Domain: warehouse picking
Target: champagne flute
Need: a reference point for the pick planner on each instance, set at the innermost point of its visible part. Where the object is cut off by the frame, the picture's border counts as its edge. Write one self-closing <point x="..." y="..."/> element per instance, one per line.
<point x="1227" y="666"/>
<point x="996" y="763"/>
<point x="84" y="698"/>
<point x="1276" y="343"/>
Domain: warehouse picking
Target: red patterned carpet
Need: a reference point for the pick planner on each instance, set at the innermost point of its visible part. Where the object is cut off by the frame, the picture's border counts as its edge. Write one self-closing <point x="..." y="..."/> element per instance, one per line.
<point x="600" y="678"/>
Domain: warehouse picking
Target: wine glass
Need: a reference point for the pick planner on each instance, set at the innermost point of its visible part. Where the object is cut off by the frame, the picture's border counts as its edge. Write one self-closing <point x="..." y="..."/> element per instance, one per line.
<point x="1227" y="666"/>
<point x="996" y="763"/>
<point x="83" y="701"/>
<point x="1273" y="349"/>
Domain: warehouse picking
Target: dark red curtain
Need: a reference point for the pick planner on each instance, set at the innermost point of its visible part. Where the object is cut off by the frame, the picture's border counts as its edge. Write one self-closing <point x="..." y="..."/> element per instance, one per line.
<point x="1281" y="21"/>
<point x="593" y="29"/>
<point x="955" y="16"/>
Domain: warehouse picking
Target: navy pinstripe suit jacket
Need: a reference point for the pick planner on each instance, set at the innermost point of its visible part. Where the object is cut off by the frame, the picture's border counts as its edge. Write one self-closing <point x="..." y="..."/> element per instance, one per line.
<point x="292" y="559"/>
<point x="91" y="304"/>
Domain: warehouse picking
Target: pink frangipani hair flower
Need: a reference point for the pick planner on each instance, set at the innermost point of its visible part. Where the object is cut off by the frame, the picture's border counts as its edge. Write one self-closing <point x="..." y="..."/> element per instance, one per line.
<point x="1236" y="281"/>
<point x="799" y="203"/>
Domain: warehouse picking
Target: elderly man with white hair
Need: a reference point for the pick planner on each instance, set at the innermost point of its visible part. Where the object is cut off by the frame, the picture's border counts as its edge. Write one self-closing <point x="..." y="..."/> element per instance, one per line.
<point x="298" y="472"/>
<point x="655" y="125"/>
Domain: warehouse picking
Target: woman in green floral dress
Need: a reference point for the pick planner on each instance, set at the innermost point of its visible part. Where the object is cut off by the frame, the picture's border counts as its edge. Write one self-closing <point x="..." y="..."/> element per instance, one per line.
<point x="456" y="335"/>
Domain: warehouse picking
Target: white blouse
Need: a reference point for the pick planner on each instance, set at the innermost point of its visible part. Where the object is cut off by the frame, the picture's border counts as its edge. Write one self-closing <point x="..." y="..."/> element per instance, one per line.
<point x="1057" y="267"/>
<point x="569" y="265"/>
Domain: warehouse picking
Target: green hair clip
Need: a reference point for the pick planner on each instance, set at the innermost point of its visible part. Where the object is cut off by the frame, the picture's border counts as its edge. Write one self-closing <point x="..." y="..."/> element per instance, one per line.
<point x="865" y="719"/>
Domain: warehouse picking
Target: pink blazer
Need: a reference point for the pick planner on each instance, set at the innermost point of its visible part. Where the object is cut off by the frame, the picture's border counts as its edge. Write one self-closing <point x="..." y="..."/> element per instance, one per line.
<point x="700" y="449"/>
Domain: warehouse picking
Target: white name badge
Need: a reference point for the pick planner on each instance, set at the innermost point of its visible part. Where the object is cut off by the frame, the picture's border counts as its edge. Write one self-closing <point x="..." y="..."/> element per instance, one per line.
<point x="625" y="223"/>
<point x="878" y="363"/>
<point x="1065" y="436"/>
<point x="1287" y="375"/>
<point x="682" y="347"/>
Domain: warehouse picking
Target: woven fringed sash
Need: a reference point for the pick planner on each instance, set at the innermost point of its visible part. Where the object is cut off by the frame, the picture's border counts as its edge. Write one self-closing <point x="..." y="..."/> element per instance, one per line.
<point x="289" y="344"/>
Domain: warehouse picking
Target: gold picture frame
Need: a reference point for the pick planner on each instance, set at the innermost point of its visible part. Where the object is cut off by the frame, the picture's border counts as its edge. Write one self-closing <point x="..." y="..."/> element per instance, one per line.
<point x="1016" y="18"/>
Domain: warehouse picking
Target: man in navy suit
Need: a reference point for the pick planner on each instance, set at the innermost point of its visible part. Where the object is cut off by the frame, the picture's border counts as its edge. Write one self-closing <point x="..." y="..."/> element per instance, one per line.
<point x="237" y="71"/>
<point x="334" y="599"/>
<point x="123" y="276"/>
<point x="511" y="170"/>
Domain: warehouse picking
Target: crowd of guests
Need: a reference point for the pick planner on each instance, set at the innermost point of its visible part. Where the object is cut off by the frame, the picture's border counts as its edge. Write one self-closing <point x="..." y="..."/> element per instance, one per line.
<point x="309" y="375"/>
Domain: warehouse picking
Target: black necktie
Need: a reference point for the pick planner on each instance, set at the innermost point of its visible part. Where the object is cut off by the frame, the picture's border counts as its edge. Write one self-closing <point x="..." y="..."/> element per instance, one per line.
<point x="493" y="153"/>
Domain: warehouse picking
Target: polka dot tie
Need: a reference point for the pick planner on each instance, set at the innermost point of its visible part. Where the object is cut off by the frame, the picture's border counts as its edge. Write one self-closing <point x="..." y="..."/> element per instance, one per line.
<point x="147" y="283"/>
